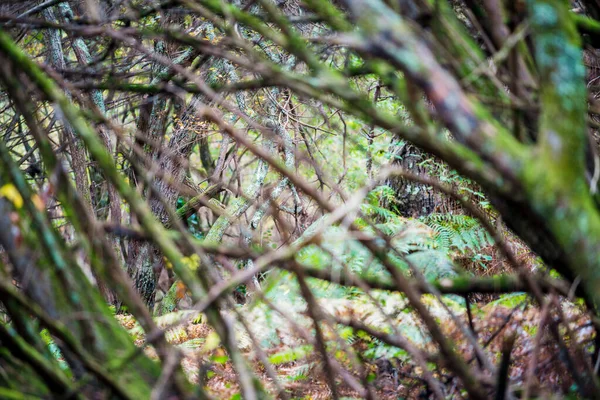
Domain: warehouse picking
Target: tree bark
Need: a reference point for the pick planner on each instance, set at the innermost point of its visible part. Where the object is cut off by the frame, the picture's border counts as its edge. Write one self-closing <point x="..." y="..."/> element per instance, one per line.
<point x="413" y="199"/>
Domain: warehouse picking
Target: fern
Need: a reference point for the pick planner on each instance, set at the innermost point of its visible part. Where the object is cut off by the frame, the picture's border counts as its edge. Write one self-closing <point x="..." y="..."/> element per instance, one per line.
<point x="458" y="232"/>
<point x="300" y="372"/>
<point x="378" y="213"/>
<point x="373" y="207"/>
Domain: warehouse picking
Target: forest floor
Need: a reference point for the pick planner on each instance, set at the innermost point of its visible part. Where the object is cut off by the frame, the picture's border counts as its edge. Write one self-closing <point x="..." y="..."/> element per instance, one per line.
<point x="300" y="371"/>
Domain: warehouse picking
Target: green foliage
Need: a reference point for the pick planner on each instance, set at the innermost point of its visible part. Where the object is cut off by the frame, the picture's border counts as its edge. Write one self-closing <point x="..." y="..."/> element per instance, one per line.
<point x="378" y="350"/>
<point x="509" y="300"/>
<point x="458" y="232"/>
<point x="300" y="372"/>
<point x="291" y="354"/>
<point x="427" y="245"/>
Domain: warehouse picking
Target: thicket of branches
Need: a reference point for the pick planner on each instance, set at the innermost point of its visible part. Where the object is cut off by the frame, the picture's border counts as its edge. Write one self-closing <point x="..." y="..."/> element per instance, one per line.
<point x="347" y="183"/>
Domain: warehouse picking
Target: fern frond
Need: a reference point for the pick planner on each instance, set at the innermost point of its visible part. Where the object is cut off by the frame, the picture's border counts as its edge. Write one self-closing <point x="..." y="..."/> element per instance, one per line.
<point x="458" y="232"/>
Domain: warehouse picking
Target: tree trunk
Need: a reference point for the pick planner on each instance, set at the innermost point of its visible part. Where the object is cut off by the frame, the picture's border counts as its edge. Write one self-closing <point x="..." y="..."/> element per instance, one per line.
<point x="412" y="199"/>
